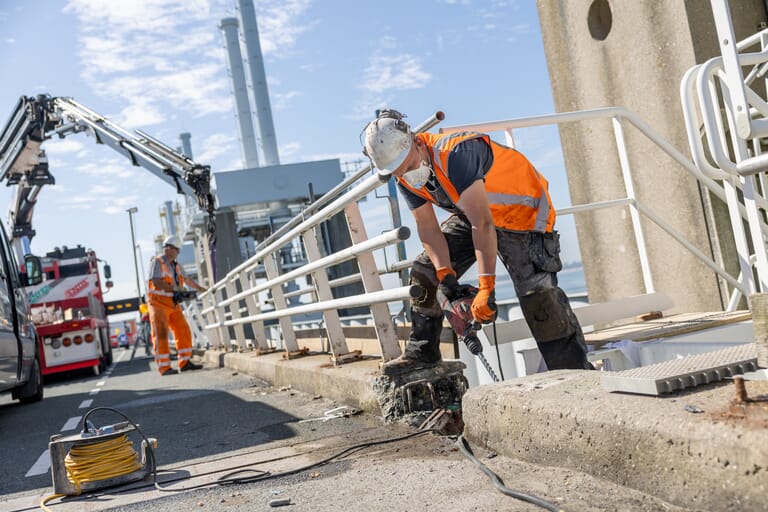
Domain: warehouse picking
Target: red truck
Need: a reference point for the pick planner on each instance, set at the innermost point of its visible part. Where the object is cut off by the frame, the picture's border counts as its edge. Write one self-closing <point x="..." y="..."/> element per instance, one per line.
<point x="69" y="314"/>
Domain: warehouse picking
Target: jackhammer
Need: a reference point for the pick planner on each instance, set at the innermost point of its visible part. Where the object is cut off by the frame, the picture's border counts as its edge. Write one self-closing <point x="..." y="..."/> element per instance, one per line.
<point x="458" y="312"/>
<point x="184" y="296"/>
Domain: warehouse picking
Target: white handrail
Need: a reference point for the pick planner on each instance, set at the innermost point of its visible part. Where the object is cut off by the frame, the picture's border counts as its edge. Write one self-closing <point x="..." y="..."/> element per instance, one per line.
<point x="617" y="114"/>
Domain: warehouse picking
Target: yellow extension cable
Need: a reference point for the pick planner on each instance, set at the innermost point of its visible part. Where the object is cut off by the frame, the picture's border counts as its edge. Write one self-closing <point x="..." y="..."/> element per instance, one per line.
<point x="92" y="462"/>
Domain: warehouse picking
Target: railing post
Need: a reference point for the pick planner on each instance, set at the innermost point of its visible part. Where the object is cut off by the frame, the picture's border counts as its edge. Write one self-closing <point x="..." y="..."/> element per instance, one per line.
<point x="385" y="329"/>
<point x="234" y="309"/>
<point x="252" y="306"/>
<point x="323" y="289"/>
<point x="192" y="311"/>
<point x="626" y="172"/>
<point x="219" y="313"/>
<point x="272" y="268"/>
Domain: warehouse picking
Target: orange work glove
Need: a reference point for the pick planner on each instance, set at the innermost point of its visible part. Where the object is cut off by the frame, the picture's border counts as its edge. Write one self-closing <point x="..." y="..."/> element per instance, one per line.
<point x="444" y="271"/>
<point x="484" y="305"/>
<point x="447" y="283"/>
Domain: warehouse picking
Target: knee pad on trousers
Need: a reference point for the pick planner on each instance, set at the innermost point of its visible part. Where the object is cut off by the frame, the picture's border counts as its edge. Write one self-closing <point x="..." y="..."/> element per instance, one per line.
<point x="548" y="314"/>
<point x="424" y="275"/>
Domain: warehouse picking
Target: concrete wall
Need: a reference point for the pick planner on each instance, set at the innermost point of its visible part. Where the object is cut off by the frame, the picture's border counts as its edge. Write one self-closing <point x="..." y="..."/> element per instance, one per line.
<point x="633" y="53"/>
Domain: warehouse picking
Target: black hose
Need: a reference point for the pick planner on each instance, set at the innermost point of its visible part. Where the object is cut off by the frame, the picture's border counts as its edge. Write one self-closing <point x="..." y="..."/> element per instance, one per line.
<point x="498" y="354"/>
<point x="463" y="446"/>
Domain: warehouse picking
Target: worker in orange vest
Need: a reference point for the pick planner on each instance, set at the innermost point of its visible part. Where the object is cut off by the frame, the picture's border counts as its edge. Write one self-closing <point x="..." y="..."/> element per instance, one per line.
<point x="500" y="205"/>
<point x="167" y="279"/>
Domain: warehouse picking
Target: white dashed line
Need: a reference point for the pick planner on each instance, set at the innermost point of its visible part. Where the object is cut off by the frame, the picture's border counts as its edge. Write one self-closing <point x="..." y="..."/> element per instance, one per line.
<point x="71" y="423"/>
<point x="41" y="466"/>
<point x="43" y="462"/>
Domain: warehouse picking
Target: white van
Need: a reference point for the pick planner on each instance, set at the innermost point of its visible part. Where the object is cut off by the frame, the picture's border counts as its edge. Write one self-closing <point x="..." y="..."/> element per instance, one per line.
<point x="20" y="371"/>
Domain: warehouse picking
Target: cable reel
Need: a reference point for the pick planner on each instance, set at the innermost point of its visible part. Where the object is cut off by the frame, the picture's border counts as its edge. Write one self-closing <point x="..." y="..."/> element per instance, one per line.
<point x="97" y="458"/>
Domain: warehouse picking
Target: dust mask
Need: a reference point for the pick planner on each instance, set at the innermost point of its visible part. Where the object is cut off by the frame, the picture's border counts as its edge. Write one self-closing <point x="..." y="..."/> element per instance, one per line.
<point x="418" y="177"/>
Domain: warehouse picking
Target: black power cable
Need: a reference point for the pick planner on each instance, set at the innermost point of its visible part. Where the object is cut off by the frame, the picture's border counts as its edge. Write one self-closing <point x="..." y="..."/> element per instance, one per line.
<point x="260" y="475"/>
<point x="463" y="446"/>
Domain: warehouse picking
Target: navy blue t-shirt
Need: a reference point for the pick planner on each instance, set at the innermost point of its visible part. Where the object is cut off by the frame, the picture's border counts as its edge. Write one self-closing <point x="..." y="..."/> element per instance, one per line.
<point x="468" y="162"/>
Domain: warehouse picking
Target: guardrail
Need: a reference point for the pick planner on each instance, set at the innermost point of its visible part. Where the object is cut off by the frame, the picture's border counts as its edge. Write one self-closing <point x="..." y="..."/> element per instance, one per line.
<point x="233" y="302"/>
<point x="238" y="292"/>
<point x="618" y="115"/>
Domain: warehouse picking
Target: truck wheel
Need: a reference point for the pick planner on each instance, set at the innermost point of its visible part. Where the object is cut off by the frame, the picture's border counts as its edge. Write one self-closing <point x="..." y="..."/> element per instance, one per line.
<point x="107" y="351"/>
<point x="32" y="391"/>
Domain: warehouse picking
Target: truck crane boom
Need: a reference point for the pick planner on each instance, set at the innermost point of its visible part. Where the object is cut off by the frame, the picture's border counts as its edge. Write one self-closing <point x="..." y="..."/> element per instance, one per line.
<point x="36" y="119"/>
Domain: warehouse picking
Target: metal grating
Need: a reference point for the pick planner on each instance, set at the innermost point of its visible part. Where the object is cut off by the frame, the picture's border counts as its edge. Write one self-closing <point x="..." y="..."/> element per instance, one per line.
<point x="687" y="372"/>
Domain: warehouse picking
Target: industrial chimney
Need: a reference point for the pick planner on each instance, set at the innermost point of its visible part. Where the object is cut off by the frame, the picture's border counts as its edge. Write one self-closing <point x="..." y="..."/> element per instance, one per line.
<point x="247" y="14"/>
<point x="248" y="147"/>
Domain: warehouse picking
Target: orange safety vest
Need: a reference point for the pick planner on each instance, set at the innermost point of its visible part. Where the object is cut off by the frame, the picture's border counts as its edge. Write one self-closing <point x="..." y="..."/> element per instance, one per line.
<point x="167" y="276"/>
<point x="517" y="193"/>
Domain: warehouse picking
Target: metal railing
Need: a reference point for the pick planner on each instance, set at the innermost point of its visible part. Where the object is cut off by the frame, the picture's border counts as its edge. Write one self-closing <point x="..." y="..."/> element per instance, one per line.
<point x="224" y="308"/>
<point x="618" y="115"/>
<point x="727" y="122"/>
<point x="234" y="301"/>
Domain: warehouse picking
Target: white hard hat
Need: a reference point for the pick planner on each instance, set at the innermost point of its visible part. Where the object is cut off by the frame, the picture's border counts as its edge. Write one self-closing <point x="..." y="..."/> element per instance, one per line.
<point x="172" y="240"/>
<point x="387" y="140"/>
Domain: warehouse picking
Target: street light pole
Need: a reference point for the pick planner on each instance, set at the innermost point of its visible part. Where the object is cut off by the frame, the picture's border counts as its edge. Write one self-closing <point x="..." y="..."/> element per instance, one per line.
<point x="141" y="261"/>
<point x="131" y="211"/>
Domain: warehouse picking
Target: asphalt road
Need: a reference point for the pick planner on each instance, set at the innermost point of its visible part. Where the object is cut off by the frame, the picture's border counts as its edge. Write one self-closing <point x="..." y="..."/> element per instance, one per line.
<point x="212" y="422"/>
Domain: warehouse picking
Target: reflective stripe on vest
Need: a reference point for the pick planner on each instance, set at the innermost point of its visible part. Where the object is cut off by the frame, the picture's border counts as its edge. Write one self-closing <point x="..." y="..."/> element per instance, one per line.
<point x="167" y="276"/>
<point x="517" y="193"/>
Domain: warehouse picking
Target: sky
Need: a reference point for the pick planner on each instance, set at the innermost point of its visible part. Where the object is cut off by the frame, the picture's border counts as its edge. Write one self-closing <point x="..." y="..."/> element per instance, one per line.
<point x="160" y="66"/>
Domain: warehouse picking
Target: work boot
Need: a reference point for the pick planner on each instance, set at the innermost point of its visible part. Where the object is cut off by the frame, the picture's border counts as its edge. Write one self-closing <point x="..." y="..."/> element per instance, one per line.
<point x="423" y="347"/>
<point x="169" y="371"/>
<point x="565" y="354"/>
<point x="190" y="366"/>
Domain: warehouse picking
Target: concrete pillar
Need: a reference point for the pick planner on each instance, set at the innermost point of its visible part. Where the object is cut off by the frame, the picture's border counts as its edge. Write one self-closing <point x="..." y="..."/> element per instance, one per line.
<point x="634" y="54"/>
<point x="228" y="254"/>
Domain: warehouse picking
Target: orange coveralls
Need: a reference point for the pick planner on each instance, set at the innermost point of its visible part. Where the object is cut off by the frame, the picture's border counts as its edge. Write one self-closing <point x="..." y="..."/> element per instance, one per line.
<point x="164" y="315"/>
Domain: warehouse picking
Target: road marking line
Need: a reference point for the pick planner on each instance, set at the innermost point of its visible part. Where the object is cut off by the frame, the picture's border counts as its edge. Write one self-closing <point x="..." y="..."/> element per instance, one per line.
<point x="41" y="466"/>
<point x="71" y="423"/>
<point x="43" y="463"/>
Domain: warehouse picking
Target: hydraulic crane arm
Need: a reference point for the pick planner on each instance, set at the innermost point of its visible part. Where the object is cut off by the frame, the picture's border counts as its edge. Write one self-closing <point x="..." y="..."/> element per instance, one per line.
<point x="36" y="119"/>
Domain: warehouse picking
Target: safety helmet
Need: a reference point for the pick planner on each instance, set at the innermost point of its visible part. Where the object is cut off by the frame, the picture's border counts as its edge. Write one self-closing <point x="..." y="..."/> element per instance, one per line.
<point x="173" y="241"/>
<point x="387" y="140"/>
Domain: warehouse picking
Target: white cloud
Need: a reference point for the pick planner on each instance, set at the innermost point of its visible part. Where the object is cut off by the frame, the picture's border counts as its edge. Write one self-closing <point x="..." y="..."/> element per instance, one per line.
<point x="163" y="56"/>
<point x="218" y="145"/>
<point x="279" y="26"/>
<point x="289" y="150"/>
<point x="282" y="100"/>
<point x="396" y="72"/>
<point x="154" y="55"/>
<point x="109" y="168"/>
<point x="64" y="146"/>
<point x="10" y="40"/>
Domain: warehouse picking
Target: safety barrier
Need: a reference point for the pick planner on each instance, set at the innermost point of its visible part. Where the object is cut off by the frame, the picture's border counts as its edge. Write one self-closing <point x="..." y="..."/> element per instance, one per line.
<point x="233" y="301"/>
<point x="619" y="115"/>
<point x="719" y="85"/>
<point x="223" y="304"/>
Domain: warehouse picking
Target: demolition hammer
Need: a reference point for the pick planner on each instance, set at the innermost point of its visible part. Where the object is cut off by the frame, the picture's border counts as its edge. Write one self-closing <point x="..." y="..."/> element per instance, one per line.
<point x="184" y="296"/>
<point x="458" y="312"/>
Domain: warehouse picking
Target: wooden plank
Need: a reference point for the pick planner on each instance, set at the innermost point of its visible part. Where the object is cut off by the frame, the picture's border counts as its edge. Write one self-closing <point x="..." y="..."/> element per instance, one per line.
<point x="591" y="314"/>
<point x="675" y="325"/>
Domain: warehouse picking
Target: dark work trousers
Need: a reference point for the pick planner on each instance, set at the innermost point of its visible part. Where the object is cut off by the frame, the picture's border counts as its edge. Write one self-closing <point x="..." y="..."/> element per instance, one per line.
<point x="532" y="260"/>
